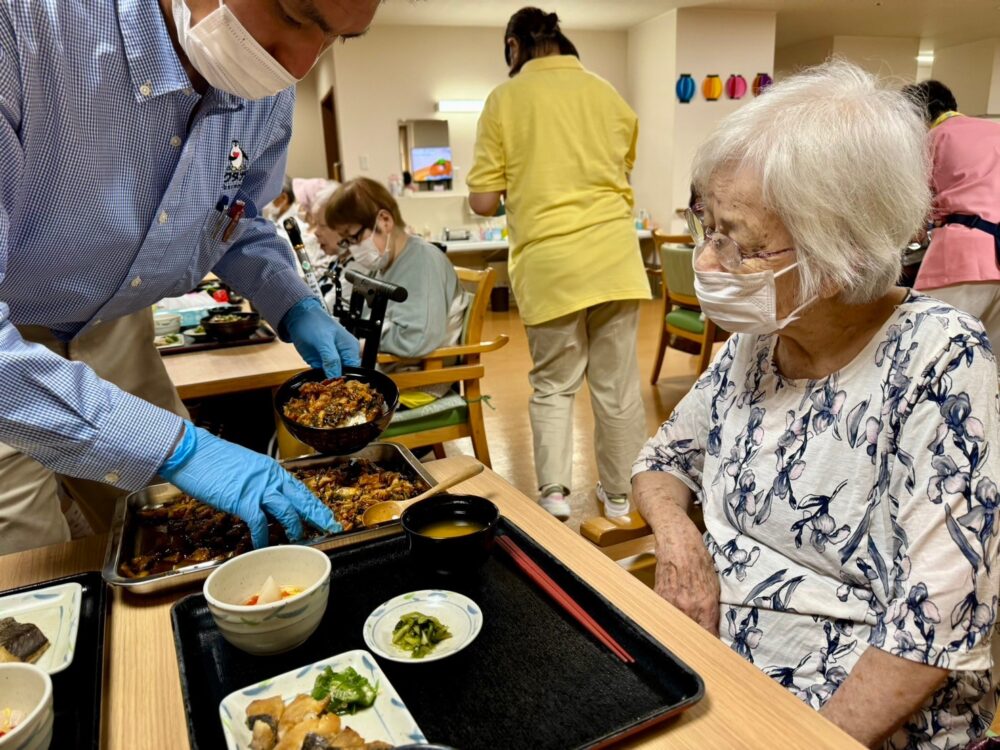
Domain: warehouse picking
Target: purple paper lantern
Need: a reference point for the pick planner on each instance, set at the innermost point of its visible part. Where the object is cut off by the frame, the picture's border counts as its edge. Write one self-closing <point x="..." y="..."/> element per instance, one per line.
<point x="761" y="82"/>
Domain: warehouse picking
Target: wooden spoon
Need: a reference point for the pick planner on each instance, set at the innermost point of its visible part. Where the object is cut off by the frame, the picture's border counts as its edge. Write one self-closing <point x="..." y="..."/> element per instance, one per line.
<point x="390" y="510"/>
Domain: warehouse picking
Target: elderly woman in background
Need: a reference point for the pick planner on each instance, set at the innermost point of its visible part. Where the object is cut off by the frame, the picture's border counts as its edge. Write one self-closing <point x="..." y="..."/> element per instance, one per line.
<point x="367" y="217"/>
<point x="844" y="444"/>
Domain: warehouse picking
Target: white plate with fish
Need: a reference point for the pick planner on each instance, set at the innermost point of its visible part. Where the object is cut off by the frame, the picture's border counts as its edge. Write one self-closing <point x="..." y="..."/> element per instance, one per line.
<point x="458" y="613"/>
<point x="55" y="611"/>
<point x="169" y="341"/>
<point x="386" y="719"/>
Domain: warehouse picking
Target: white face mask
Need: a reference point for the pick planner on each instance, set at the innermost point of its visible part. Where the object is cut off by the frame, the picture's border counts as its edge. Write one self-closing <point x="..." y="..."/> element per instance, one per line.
<point x="743" y="302"/>
<point x="227" y="55"/>
<point x="367" y="254"/>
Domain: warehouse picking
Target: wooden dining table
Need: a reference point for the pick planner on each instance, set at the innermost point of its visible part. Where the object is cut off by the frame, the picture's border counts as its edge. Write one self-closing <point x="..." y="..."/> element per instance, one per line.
<point x="143" y="708"/>
<point x="217" y="372"/>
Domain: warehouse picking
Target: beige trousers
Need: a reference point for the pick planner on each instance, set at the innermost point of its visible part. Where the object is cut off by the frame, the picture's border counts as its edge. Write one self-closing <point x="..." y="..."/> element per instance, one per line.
<point x="120" y="351"/>
<point x="599" y="343"/>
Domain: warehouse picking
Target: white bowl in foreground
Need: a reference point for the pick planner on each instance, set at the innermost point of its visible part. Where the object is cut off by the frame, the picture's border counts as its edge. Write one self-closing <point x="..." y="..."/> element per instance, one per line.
<point x="27" y="689"/>
<point x="281" y="625"/>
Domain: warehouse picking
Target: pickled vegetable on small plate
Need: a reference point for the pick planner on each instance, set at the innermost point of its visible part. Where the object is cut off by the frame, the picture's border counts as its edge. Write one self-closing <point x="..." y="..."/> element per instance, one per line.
<point x="436" y="624"/>
<point x="419" y="634"/>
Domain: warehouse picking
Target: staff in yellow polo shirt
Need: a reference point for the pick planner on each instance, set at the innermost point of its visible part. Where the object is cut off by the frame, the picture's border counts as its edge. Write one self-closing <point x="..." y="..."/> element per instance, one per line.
<point x="560" y="142"/>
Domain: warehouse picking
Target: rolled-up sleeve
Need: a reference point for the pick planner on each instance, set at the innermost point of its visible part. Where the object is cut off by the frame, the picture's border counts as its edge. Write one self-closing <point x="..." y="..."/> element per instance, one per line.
<point x="260" y="265"/>
<point x="56" y="411"/>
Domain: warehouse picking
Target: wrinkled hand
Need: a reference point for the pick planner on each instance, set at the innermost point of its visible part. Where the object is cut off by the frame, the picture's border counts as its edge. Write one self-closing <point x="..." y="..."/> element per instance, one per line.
<point x="245" y="483"/>
<point x="686" y="577"/>
<point x="319" y="339"/>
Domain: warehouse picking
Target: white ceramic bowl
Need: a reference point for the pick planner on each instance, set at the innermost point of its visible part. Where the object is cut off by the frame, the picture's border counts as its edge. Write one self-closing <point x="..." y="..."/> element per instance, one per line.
<point x="26" y="688"/>
<point x="279" y="626"/>
<point x="166" y="323"/>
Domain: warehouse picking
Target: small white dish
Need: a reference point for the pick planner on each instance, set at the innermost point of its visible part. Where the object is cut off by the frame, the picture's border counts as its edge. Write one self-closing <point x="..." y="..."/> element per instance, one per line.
<point x="278" y="626"/>
<point x="457" y="612"/>
<point x="55" y="610"/>
<point x="169" y="341"/>
<point x="388" y="720"/>
<point x="27" y="689"/>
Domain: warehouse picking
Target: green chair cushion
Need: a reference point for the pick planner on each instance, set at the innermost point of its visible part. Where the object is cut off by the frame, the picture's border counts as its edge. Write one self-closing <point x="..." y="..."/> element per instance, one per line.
<point x="447" y="411"/>
<point x="687" y="320"/>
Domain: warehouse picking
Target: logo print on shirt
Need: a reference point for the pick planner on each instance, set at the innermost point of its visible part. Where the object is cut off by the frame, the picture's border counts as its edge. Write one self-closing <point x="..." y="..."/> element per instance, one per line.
<point x="237" y="168"/>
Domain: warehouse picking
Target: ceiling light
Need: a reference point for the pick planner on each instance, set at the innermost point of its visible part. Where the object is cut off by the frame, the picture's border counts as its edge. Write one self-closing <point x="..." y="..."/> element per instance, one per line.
<point x="925" y="58"/>
<point x="473" y="106"/>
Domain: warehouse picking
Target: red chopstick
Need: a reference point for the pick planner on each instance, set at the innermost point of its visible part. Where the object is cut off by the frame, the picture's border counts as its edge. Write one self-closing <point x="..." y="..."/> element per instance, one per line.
<point x="539" y="576"/>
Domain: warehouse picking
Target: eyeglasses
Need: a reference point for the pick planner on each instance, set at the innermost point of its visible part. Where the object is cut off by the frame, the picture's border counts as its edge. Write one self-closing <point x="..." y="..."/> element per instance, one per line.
<point x="351" y="240"/>
<point x="728" y="252"/>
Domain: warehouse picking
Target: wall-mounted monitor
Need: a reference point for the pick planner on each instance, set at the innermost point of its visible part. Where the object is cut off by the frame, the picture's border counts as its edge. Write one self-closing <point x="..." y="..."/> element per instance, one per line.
<point x="431" y="164"/>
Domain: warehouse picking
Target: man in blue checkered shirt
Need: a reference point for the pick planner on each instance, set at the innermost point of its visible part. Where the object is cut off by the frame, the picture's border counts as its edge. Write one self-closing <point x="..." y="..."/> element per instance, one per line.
<point x="128" y="129"/>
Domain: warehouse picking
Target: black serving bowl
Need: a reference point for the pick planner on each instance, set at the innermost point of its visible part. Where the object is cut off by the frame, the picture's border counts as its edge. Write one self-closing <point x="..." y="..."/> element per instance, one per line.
<point x="339" y="441"/>
<point x="457" y="554"/>
<point x="243" y="328"/>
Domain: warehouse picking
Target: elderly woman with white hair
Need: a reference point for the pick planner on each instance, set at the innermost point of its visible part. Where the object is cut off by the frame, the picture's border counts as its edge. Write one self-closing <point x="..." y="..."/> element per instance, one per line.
<point x="844" y="443"/>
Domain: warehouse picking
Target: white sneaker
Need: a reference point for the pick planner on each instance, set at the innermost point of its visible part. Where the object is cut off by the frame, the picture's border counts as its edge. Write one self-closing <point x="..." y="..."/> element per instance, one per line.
<point x="553" y="499"/>
<point x="615" y="506"/>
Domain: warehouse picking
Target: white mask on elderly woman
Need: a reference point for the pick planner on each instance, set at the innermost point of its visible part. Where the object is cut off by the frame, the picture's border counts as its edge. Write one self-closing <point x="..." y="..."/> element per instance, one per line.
<point x="367" y="254"/>
<point x="227" y="55"/>
<point x="743" y="302"/>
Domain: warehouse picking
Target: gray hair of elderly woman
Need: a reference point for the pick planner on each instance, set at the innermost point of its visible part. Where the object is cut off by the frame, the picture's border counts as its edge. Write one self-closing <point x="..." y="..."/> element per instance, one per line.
<point x="843" y="162"/>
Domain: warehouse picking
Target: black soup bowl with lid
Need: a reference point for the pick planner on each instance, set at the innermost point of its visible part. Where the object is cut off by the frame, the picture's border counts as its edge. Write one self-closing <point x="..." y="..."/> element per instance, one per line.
<point x="451" y="533"/>
<point x="339" y="441"/>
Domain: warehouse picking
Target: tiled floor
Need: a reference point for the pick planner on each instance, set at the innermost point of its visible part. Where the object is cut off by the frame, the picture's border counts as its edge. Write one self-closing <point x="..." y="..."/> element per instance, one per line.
<point x="508" y="428"/>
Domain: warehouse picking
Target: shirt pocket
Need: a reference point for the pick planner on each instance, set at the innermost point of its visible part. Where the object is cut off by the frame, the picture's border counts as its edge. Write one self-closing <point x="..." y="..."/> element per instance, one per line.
<point x="214" y="241"/>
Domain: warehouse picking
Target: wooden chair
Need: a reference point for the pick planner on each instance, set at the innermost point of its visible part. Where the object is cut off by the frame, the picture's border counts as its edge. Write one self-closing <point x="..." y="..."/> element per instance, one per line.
<point x="654" y="268"/>
<point x="682" y="317"/>
<point x="456" y="415"/>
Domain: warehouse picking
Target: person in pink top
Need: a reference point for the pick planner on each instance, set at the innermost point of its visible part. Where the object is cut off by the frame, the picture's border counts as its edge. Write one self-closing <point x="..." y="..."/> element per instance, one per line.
<point x="962" y="264"/>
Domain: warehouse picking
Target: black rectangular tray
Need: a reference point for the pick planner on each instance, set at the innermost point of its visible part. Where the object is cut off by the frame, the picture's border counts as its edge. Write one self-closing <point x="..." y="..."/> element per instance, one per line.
<point x="534" y="678"/>
<point x="263" y="335"/>
<point x="77" y="690"/>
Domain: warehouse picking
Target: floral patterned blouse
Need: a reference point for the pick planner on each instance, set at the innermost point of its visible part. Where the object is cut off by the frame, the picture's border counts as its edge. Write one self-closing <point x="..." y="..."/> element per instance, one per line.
<point x="855" y="511"/>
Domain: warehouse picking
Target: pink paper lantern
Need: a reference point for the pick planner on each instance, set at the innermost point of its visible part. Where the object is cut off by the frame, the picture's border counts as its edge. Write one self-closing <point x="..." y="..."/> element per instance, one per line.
<point x="736" y="86"/>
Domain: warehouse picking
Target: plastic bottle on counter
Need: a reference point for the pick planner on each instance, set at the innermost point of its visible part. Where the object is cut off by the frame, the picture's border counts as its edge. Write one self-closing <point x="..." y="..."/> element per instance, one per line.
<point x="395" y="185"/>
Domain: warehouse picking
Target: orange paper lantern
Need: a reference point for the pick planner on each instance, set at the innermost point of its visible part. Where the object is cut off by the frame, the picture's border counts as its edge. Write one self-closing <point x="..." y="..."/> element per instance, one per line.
<point x="711" y="87"/>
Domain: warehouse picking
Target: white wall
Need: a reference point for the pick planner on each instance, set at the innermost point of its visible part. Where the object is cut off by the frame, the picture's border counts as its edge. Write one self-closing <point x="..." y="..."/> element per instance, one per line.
<point x="307" y="151"/>
<point x="399" y="72"/>
<point x="713" y="41"/>
<point x="793" y="57"/>
<point x="968" y="70"/>
<point x="993" y="105"/>
<point x="886" y="57"/>
<point x="652" y="73"/>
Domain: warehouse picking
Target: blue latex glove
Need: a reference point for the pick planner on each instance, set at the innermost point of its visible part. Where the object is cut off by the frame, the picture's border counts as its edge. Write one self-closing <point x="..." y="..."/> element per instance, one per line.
<point x="319" y="339"/>
<point x="245" y="483"/>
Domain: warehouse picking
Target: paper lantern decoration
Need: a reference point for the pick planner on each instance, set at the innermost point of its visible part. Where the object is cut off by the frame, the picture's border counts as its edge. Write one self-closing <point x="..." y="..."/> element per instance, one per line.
<point x="711" y="87"/>
<point x="686" y="88"/>
<point x="761" y="82"/>
<point x="736" y="86"/>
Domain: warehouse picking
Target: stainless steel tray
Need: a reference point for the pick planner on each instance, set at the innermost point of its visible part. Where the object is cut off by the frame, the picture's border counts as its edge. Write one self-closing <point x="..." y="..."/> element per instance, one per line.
<point x="124" y="530"/>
